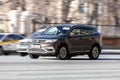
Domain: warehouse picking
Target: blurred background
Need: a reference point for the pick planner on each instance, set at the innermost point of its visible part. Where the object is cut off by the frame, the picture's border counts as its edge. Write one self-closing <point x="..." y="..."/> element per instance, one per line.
<point x="27" y="16"/>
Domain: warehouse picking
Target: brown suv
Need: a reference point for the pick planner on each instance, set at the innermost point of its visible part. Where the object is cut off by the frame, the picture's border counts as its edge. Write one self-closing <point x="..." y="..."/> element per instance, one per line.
<point x="65" y="41"/>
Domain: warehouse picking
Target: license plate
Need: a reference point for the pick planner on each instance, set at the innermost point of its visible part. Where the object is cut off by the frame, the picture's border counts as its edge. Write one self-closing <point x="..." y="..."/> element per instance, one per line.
<point x="35" y="46"/>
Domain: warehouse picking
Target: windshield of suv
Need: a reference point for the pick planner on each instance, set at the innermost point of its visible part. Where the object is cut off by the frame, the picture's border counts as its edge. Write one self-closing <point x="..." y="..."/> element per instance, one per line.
<point x="56" y="30"/>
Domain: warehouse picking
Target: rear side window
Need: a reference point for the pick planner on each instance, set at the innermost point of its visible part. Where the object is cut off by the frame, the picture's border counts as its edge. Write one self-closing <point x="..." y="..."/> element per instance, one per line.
<point x="86" y="31"/>
<point x="13" y="37"/>
<point x="9" y="37"/>
<point x="78" y="32"/>
<point x="75" y="32"/>
<point x="18" y="37"/>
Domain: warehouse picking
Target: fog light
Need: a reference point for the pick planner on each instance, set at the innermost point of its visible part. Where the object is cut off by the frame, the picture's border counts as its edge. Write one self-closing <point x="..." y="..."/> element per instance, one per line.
<point x="49" y="48"/>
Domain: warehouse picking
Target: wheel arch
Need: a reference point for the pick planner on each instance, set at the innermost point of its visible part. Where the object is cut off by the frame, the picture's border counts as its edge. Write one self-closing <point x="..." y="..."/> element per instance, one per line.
<point x="62" y="44"/>
<point x="96" y="44"/>
<point x="1" y="47"/>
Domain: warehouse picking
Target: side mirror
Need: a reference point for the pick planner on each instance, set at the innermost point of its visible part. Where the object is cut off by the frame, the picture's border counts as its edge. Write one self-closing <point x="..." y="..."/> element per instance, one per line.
<point x="72" y="34"/>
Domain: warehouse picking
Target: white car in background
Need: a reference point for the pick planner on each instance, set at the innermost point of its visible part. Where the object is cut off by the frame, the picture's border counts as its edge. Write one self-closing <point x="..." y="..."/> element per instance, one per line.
<point x="8" y="42"/>
<point x="23" y="45"/>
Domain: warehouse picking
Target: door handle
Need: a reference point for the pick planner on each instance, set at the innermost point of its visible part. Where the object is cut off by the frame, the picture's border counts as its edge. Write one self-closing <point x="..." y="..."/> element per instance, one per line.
<point x="80" y="38"/>
<point x="93" y="38"/>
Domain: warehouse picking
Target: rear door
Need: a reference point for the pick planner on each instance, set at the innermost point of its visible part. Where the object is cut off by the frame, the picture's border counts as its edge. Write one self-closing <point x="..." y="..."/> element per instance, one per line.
<point x="74" y="41"/>
<point x="10" y="41"/>
<point x="87" y="38"/>
<point x="80" y="40"/>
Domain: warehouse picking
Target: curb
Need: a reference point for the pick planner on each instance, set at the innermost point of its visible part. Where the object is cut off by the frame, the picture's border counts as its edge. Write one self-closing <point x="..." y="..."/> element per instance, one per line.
<point x="110" y="51"/>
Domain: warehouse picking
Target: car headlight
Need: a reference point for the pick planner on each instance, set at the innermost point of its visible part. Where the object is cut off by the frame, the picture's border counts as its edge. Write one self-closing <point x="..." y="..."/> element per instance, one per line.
<point x="50" y="40"/>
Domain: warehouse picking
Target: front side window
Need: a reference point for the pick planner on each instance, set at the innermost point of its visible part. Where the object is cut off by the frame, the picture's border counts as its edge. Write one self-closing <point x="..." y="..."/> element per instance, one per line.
<point x="75" y="32"/>
<point x="56" y="30"/>
<point x="18" y="37"/>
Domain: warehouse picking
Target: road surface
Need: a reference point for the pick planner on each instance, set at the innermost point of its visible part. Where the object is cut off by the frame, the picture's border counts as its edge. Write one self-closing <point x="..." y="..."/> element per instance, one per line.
<point x="15" y="67"/>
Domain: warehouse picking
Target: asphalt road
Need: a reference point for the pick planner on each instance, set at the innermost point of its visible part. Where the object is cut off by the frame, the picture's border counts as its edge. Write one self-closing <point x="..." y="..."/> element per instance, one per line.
<point x="15" y="67"/>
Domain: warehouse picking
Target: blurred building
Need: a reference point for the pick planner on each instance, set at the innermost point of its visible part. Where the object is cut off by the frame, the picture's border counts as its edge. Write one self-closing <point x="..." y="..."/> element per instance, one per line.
<point x="25" y="16"/>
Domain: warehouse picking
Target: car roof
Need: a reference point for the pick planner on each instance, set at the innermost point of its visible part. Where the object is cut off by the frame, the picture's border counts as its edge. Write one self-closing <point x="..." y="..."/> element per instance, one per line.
<point x="77" y="25"/>
<point x="84" y="26"/>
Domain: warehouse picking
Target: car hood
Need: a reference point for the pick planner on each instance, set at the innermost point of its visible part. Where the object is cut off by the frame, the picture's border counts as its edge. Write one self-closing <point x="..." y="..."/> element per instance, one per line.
<point x="25" y="40"/>
<point x="48" y="37"/>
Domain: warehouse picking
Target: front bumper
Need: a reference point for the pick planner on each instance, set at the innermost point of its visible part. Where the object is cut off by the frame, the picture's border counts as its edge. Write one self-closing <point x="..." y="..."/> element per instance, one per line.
<point x="22" y="49"/>
<point x="41" y="50"/>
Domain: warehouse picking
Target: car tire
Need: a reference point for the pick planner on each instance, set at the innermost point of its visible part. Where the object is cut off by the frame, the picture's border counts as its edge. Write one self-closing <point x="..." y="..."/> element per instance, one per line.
<point x="5" y="53"/>
<point x="23" y="54"/>
<point x="63" y="53"/>
<point x="1" y="51"/>
<point x="33" y="56"/>
<point x="94" y="53"/>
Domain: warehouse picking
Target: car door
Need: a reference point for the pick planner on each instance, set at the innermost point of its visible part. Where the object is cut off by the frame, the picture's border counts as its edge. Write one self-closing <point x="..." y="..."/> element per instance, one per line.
<point x="74" y="41"/>
<point x="17" y="38"/>
<point x="86" y="39"/>
<point x="9" y="41"/>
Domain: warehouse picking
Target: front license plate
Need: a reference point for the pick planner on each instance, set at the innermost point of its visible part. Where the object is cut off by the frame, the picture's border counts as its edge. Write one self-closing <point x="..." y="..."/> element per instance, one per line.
<point x="35" y="46"/>
<point x="24" y="47"/>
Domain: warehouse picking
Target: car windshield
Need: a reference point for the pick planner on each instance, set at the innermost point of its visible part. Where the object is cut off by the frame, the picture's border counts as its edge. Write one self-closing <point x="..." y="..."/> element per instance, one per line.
<point x="1" y="36"/>
<point x="59" y="30"/>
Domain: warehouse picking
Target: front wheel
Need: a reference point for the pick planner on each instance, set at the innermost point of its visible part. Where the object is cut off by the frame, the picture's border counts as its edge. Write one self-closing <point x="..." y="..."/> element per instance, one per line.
<point x="33" y="56"/>
<point x="94" y="53"/>
<point x="63" y="53"/>
<point x="1" y="51"/>
<point x="23" y="54"/>
<point x="6" y="53"/>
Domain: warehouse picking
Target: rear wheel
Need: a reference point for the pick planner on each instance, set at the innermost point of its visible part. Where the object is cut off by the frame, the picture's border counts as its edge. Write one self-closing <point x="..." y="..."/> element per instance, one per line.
<point x="94" y="53"/>
<point x="34" y="56"/>
<point x="23" y="54"/>
<point x="6" y="53"/>
<point x="63" y="53"/>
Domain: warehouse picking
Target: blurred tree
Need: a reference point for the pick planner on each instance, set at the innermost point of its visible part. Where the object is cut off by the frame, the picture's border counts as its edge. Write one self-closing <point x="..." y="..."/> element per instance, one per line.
<point x="65" y="10"/>
<point x="94" y="15"/>
<point x="47" y="11"/>
<point x="39" y="10"/>
<point x="1" y="3"/>
<point x="15" y="4"/>
<point x="96" y="11"/>
<point x="115" y="7"/>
